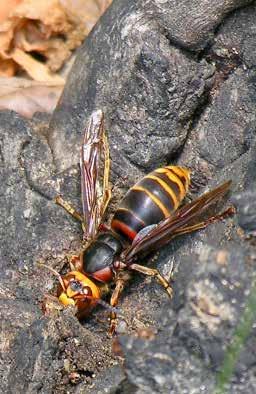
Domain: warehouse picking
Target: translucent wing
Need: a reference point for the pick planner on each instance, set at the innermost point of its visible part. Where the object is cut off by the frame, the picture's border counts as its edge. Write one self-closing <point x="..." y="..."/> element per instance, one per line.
<point x="180" y="222"/>
<point x="95" y="164"/>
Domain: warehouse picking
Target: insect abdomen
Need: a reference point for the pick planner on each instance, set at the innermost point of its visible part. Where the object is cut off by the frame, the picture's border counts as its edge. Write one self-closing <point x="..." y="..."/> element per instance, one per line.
<point x="152" y="199"/>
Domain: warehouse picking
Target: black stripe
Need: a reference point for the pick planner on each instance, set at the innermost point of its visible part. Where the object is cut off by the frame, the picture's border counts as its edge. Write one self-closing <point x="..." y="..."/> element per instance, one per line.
<point x="174" y="186"/>
<point x="143" y="207"/>
<point x="155" y="188"/>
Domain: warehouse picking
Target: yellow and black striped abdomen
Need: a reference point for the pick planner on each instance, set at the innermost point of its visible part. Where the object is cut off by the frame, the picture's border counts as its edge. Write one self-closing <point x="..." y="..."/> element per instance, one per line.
<point x="151" y="200"/>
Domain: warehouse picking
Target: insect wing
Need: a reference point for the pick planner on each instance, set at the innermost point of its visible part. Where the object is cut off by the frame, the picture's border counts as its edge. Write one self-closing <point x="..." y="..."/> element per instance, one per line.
<point x="176" y="224"/>
<point x="92" y="185"/>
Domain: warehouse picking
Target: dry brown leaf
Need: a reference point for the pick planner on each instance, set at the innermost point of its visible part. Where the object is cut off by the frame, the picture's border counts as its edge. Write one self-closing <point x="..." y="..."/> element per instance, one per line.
<point x="6" y="7"/>
<point x="40" y="26"/>
<point x="36" y="70"/>
<point x="38" y="36"/>
<point x="89" y="10"/>
<point x="50" y="28"/>
<point x="27" y="97"/>
<point x="8" y="68"/>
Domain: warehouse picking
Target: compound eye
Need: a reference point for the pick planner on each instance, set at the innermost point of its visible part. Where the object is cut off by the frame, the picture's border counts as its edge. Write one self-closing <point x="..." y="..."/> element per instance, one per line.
<point x="76" y="286"/>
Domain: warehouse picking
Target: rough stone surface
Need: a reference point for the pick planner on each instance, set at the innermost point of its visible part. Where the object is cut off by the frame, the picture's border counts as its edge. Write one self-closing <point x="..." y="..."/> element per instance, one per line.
<point x="176" y="81"/>
<point x="237" y="37"/>
<point x="54" y="349"/>
<point x="226" y="129"/>
<point x="246" y="205"/>
<point x="155" y="89"/>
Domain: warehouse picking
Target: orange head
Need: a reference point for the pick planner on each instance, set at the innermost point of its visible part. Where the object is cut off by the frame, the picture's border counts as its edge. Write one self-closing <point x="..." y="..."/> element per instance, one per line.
<point x="77" y="289"/>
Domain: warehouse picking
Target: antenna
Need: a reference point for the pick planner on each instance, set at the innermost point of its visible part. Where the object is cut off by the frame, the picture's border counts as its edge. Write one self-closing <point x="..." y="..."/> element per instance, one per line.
<point x="55" y="273"/>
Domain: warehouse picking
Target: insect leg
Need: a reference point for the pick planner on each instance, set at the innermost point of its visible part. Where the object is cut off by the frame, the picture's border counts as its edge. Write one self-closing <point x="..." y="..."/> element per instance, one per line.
<point x="68" y="207"/>
<point x="74" y="262"/>
<point x="170" y="276"/>
<point x="122" y="278"/>
<point x="113" y="302"/>
<point x="154" y="273"/>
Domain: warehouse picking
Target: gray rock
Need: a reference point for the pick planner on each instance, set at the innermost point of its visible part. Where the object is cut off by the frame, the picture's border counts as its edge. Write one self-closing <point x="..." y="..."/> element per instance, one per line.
<point x="246" y="205"/>
<point x="147" y="88"/>
<point x="54" y="350"/>
<point x="226" y="129"/>
<point x="236" y="37"/>
<point x="192" y="24"/>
